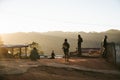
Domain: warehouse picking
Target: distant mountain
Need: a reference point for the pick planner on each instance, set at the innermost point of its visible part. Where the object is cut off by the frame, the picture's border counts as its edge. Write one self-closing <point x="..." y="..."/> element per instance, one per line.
<point x="53" y="40"/>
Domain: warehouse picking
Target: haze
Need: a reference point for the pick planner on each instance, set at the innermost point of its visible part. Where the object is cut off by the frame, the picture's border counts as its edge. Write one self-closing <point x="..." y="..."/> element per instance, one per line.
<point x="59" y="15"/>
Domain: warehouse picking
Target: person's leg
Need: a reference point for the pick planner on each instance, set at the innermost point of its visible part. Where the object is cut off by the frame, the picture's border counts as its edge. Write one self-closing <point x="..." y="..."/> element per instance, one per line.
<point x="67" y="56"/>
<point x="79" y="50"/>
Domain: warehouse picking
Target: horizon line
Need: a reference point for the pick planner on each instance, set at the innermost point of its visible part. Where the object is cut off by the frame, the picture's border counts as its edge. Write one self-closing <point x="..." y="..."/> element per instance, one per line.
<point x="58" y="31"/>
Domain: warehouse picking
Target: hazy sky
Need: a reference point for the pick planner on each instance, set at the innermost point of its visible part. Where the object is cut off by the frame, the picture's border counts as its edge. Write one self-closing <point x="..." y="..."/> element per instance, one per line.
<point x="59" y="15"/>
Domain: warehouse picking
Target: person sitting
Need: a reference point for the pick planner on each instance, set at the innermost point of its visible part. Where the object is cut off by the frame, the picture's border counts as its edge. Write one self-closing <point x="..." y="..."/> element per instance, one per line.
<point x="34" y="54"/>
<point x="52" y="55"/>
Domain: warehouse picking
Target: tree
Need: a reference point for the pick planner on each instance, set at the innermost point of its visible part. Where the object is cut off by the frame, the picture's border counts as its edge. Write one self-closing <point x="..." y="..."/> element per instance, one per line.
<point x="34" y="44"/>
<point x="3" y="51"/>
<point x="1" y="42"/>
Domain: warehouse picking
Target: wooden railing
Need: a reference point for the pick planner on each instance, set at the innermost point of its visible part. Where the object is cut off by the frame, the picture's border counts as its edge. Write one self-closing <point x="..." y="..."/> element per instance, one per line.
<point x="87" y="50"/>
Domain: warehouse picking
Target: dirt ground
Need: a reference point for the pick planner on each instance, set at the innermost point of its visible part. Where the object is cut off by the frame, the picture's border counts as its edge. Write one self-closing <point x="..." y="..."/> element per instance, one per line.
<point x="55" y="73"/>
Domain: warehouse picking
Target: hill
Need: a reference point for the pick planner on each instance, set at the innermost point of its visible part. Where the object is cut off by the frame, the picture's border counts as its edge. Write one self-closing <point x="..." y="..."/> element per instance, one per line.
<point x="53" y="40"/>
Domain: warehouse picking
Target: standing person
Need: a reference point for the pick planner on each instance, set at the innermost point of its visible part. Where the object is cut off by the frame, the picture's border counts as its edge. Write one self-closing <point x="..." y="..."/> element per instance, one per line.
<point x="65" y="48"/>
<point x="34" y="54"/>
<point x="80" y="40"/>
<point x="105" y="46"/>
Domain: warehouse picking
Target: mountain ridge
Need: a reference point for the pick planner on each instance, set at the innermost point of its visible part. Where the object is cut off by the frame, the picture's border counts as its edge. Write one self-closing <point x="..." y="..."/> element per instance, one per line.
<point x="53" y="40"/>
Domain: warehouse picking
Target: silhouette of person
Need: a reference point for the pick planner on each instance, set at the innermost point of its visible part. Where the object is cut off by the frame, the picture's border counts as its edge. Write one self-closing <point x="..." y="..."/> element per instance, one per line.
<point x="105" y="46"/>
<point x="34" y="54"/>
<point x="65" y="48"/>
<point x="80" y="40"/>
<point x="52" y="55"/>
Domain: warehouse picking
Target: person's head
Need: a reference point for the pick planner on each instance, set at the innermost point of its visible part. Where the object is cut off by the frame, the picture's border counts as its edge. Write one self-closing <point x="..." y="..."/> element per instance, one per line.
<point x="79" y="36"/>
<point x="105" y="36"/>
<point x="65" y="40"/>
<point x="34" y="48"/>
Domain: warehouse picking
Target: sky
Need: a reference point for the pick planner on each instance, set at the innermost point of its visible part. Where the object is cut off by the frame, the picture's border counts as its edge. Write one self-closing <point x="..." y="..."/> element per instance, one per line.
<point x="59" y="15"/>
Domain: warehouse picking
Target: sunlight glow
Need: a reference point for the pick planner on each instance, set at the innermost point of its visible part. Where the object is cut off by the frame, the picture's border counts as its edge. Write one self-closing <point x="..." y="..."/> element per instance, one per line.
<point x="59" y="15"/>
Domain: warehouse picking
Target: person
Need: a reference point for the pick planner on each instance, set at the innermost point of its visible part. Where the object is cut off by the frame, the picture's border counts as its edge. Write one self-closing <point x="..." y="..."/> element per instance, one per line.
<point x="52" y="55"/>
<point x="105" y="46"/>
<point x="80" y="40"/>
<point x="65" y="48"/>
<point x="34" y="54"/>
